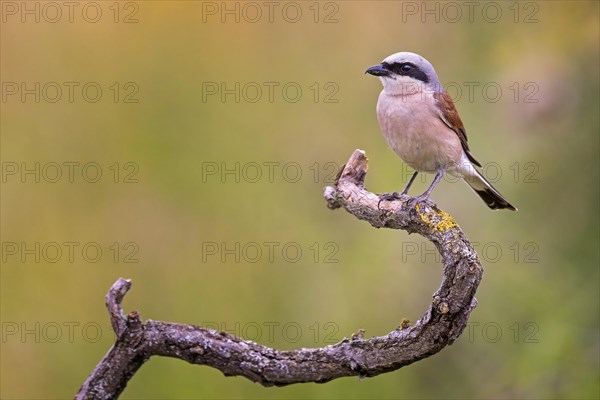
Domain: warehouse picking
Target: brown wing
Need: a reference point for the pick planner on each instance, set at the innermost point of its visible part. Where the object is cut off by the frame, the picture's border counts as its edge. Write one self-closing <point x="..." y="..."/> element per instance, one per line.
<point x="449" y="115"/>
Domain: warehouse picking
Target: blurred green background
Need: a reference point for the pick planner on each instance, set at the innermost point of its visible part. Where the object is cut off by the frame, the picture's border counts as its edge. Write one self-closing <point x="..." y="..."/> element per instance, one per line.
<point x="189" y="174"/>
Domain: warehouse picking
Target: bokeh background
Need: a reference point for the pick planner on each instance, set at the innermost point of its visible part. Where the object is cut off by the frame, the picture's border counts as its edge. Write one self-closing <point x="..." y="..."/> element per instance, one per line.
<point x="197" y="186"/>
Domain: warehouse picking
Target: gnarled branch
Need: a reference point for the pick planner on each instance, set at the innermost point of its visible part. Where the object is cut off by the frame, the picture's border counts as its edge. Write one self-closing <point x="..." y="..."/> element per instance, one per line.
<point x="441" y="324"/>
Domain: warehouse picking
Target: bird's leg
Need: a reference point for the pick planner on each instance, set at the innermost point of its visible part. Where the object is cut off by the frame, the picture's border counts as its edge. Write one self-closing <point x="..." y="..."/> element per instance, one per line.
<point x="410" y="182"/>
<point x="395" y="195"/>
<point x="436" y="180"/>
<point x="425" y="195"/>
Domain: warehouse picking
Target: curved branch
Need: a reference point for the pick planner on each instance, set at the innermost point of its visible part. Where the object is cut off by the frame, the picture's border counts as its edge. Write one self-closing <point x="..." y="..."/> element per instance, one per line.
<point x="441" y="324"/>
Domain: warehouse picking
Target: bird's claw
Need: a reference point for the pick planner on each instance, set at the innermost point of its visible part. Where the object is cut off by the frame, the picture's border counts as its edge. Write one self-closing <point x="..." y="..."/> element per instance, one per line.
<point x="388" y="197"/>
<point x="411" y="202"/>
<point x="414" y="200"/>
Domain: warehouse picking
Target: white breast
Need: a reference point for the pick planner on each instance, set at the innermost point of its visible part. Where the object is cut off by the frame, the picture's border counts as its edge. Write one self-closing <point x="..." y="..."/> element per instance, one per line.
<point x="413" y="129"/>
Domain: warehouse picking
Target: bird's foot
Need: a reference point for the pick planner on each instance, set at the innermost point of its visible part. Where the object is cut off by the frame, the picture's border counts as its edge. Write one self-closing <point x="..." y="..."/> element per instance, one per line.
<point x="388" y="197"/>
<point x="417" y="199"/>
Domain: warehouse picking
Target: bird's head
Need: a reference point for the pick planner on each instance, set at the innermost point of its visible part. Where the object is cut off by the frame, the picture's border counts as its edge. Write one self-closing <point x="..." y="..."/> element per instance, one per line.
<point x="406" y="73"/>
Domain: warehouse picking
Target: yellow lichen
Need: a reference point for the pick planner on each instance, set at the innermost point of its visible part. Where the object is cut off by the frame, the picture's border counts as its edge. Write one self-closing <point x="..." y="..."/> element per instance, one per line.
<point x="405" y="323"/>
<point x="446" y="221"/>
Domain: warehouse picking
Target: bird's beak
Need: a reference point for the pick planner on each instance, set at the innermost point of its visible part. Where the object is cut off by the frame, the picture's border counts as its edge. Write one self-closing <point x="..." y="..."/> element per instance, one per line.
<point x="377" y="70"/>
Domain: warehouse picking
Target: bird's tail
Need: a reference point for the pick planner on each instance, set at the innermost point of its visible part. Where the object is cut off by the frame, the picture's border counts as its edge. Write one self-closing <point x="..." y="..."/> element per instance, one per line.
<point x="487" y="192"/>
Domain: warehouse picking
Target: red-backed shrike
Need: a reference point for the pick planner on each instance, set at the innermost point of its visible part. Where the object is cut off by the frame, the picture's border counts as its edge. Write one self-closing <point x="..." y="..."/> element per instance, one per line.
<point x="420" y="123"/>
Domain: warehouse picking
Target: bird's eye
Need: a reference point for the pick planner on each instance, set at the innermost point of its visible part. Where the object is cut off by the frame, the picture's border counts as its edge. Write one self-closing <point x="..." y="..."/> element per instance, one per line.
<point x="406" y="67"/>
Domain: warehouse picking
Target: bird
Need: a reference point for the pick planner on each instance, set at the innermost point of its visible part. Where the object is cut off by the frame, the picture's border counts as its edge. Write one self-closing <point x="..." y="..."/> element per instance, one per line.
<point x="420" y="123"/>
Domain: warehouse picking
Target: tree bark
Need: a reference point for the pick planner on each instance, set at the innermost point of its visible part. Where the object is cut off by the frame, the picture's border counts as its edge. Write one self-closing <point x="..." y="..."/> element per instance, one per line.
<point x="441" y="325"/>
